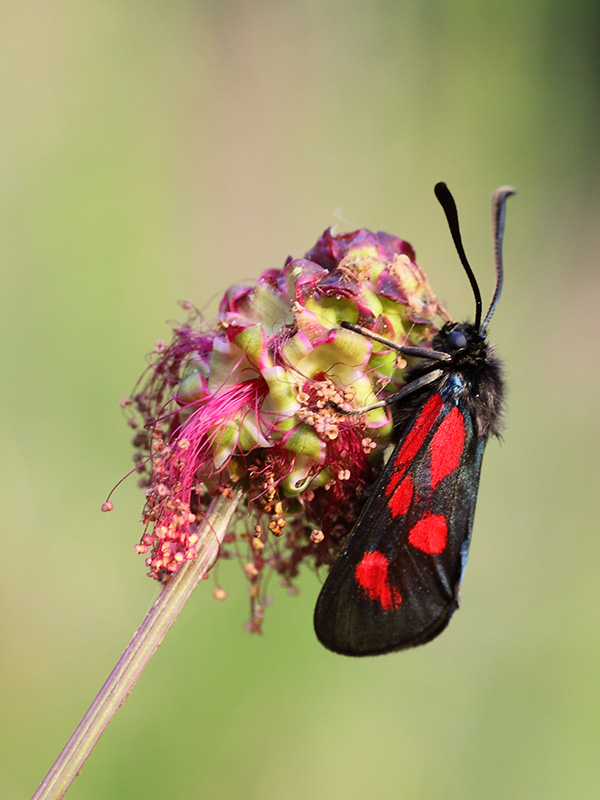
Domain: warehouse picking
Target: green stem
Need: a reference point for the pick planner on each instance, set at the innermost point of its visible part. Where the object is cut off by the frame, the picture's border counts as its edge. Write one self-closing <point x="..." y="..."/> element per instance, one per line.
<point x="140" y="650"/>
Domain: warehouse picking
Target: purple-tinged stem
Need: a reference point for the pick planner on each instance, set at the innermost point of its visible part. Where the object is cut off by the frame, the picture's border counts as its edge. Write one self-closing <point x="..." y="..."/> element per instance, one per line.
<point x="140" y="650"/>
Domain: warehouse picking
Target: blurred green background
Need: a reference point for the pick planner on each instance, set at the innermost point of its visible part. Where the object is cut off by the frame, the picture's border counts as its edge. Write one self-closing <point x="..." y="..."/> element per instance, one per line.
<point x="152" y="152"/>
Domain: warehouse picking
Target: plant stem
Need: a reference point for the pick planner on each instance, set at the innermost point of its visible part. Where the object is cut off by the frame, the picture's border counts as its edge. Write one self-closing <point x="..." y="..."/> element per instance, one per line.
<point x="140" y="650"/>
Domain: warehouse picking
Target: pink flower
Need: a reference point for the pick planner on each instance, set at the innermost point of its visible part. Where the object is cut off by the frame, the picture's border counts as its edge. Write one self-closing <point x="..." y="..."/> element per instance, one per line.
<point x="258" y="397"/>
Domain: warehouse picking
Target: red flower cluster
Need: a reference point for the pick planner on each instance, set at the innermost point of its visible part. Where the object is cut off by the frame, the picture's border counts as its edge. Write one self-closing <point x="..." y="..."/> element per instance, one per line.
<point x="260" y="399"/>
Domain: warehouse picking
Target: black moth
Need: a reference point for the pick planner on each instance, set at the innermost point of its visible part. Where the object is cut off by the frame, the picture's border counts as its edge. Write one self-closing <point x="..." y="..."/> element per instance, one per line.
<point x="396" y="582"/>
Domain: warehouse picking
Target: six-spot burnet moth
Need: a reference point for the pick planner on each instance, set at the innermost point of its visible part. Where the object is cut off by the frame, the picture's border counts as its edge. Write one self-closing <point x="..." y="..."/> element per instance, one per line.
<point x="396" y="582"/>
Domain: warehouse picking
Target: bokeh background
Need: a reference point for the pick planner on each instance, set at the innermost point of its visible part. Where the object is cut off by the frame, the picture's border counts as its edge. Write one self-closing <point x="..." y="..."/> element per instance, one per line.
<point x="152" y="152"/>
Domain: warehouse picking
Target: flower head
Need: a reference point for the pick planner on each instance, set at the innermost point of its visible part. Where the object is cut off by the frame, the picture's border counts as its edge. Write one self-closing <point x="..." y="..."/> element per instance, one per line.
<point x="262" y="397"/>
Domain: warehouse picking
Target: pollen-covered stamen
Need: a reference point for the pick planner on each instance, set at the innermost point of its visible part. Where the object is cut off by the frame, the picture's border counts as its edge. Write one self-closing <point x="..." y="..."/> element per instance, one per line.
<point x="174" y="477"/>
<point x="319" y="400"/>
<point x="368" y="444"/>
<point x="251" y="571"/>
<point x="265" y="494"/>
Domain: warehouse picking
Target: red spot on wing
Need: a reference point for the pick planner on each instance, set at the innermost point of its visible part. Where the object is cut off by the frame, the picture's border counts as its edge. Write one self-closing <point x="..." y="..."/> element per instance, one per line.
<point x="430" y="533"/>
<point x="447" y="446"/>
<point x="414" y="439"/>
<point x="372" y="577"/>
<point x="400" y="501"/>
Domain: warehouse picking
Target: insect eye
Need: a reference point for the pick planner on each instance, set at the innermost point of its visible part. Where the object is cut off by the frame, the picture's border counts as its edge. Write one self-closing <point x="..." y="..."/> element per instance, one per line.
<point x="457" y="340"/>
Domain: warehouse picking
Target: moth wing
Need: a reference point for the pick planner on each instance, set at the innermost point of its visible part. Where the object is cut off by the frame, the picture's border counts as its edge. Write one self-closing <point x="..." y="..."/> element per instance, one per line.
<point x="395" y="584"/>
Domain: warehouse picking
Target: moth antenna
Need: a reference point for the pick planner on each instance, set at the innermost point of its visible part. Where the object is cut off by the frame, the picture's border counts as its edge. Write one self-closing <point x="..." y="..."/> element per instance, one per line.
<point x="447" y="203"/>
<point x="499" y="199"/>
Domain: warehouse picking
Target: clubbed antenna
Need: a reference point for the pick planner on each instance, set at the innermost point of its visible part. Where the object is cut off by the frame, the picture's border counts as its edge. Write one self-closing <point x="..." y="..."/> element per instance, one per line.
<point x="499" y="199"/>
<point x="447" y="203"/>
